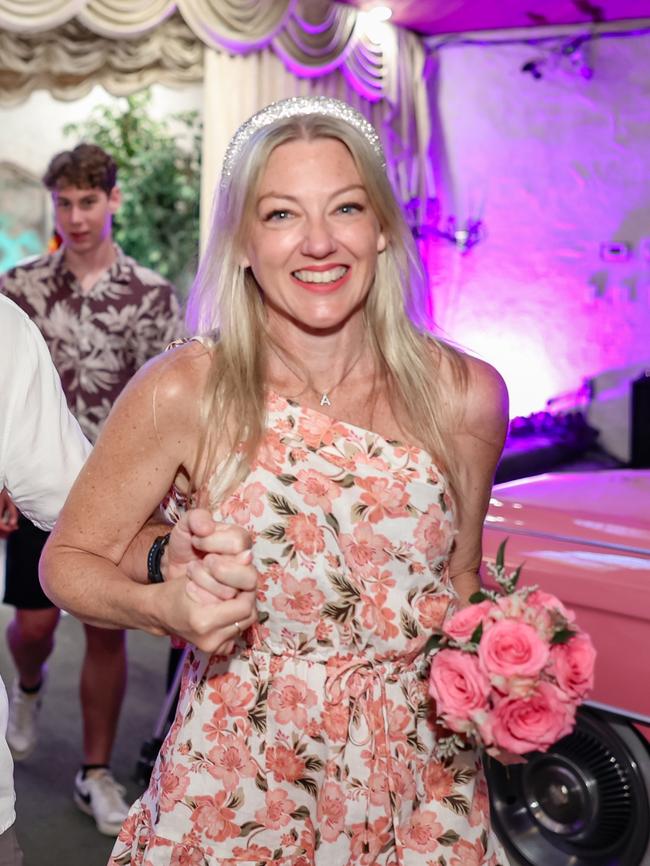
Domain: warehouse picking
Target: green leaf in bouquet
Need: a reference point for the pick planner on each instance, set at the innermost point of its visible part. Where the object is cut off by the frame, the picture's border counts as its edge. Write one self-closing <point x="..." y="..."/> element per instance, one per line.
<point x="501" y="555"/>
<point x="433" y="643"/>
<point x="478" y="596"/>
<point x="476" y="634"/>
<point x="563" y="635"/>
<point x="514" y="577"/>
<point x="507" y="582"/>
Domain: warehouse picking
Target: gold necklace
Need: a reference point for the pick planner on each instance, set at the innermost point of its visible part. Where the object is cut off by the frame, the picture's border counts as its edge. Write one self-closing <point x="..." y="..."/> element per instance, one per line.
<point x="325" y="395"/>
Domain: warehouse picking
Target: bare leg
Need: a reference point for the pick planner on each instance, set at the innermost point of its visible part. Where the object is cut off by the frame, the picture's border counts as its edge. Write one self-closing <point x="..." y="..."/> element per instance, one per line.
<point x="10" y="853"/>
<point x="103" y="682"/>
<point x="30" y="636"/>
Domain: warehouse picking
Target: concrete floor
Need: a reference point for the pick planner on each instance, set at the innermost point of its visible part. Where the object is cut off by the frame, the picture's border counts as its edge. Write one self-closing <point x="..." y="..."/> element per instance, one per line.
<point x="51" y="830"/>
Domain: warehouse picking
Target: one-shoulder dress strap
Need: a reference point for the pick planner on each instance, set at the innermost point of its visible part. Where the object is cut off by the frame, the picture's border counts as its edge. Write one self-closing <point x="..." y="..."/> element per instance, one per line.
<point x="206" y="340"/>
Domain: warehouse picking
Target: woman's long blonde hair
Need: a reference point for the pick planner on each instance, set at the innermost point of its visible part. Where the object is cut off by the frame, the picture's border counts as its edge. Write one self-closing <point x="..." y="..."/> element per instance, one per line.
<point x="226" y="302"/>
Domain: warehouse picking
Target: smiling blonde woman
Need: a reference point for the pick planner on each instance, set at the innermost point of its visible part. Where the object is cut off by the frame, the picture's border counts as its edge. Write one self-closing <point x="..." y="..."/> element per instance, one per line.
<point x="340" y="458"/>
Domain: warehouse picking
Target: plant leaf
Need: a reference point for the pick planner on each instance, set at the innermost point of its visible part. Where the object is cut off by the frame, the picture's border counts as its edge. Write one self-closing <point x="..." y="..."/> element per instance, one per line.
<point x="501" y="554"/>
<point x="432" y="643"/>
<point x="564" y="635"/>
<point x="476" y="634"/>
<point x="514" y="577"/>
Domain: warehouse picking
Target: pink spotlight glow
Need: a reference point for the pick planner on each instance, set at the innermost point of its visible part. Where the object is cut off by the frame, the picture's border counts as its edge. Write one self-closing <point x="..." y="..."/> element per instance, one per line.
<point x="523" y="362"/>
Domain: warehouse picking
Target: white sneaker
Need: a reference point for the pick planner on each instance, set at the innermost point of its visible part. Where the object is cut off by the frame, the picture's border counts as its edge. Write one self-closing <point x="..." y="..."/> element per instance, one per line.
<point x="24" y="709"/>
<point x="101" y="797"/>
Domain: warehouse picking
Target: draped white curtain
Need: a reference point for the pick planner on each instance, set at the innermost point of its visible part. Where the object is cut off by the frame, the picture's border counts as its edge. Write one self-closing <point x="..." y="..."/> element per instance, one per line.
<point x="262" y="78"/>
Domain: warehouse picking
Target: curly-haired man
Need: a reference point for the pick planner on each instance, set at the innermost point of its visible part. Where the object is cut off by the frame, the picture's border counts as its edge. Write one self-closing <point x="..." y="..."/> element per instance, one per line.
<point x="102" y="316"/>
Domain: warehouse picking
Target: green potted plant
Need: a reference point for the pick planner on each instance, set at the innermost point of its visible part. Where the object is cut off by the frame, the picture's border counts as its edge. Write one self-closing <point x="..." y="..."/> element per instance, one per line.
<point x="159" y="171"/>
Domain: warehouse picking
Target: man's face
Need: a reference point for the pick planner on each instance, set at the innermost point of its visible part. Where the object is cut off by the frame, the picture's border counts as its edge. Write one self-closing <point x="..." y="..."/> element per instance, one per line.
<point x="84" y="216"/>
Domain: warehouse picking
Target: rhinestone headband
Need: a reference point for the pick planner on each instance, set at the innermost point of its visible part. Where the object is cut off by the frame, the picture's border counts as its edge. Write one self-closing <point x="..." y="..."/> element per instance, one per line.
<point x="297" y="106"/>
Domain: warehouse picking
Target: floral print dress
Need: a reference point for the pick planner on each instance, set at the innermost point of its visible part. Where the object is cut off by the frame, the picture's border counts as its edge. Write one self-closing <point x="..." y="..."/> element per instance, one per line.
<point x="312" y="744"/>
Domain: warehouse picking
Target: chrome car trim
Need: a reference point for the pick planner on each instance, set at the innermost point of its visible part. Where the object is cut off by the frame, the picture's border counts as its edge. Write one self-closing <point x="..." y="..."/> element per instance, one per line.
<point x="505" y="528"/>
<point x="629" y="715"/>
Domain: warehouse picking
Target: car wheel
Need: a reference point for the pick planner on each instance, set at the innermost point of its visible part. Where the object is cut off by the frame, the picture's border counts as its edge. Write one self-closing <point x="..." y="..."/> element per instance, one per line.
<point x="585" y="802"/>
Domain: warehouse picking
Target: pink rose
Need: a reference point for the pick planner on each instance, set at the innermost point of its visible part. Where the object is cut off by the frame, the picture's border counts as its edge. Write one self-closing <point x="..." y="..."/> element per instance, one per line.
<point x="462" y="625"/>
<point x="522" y="725"/>
<point x="457" y="684"/>
<point x="544" y="600"/>
<point x="573" y="665"/>
<point x="511" y="648"/>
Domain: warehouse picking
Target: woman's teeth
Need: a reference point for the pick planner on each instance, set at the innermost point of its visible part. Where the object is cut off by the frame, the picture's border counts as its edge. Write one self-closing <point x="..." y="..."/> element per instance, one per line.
<point x="330" y="276"/>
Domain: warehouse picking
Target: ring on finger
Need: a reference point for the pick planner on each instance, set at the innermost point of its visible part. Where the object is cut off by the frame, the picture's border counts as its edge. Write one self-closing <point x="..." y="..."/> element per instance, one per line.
<point x="239" y="629"/>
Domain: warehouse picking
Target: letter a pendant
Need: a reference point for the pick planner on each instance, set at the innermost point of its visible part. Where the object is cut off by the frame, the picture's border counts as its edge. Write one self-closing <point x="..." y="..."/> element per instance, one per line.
<point x="325" y="400"/>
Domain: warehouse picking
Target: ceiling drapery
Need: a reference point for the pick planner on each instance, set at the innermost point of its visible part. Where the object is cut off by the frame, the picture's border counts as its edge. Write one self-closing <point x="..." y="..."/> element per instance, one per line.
<point x="312" y="37"/>
<point x="70" y="60"/>
<point x="67" y="46"/>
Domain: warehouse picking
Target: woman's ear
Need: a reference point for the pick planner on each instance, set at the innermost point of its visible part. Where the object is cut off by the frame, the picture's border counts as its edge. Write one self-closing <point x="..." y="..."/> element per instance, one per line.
<point x="382" y="242"/>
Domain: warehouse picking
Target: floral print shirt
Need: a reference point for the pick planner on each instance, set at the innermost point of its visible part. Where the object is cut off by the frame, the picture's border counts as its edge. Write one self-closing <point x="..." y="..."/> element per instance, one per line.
<point x="312" y="744"/>
<point x="97" y="339"/>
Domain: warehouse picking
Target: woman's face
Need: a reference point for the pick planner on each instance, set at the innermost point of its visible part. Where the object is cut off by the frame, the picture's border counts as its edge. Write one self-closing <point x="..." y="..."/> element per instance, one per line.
<point x="314" y="238"/>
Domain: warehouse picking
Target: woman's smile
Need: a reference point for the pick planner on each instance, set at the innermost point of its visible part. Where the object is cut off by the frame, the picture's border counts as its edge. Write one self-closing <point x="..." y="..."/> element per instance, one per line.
<point x="322" y="278"/>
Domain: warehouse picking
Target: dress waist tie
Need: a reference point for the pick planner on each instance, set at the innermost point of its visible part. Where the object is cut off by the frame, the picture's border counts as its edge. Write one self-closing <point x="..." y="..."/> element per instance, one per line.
<point x="362" y="682"/>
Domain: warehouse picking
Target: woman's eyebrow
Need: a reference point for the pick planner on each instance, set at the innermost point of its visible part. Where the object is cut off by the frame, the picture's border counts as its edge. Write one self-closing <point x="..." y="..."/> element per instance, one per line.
<point x="288" y="197"/>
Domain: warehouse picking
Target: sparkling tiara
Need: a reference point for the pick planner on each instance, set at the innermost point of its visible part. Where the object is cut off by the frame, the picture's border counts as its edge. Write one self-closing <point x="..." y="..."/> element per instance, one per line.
<point x="297" y="106"/>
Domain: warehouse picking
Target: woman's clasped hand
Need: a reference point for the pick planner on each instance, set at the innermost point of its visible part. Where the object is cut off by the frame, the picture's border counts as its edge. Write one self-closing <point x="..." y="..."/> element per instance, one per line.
<point x="213" y="562"/>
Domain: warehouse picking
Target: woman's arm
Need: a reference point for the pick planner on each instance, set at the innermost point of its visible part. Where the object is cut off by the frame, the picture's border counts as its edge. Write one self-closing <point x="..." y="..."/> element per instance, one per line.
<point x="478" y="446"/>
<point x="151" y="432"/>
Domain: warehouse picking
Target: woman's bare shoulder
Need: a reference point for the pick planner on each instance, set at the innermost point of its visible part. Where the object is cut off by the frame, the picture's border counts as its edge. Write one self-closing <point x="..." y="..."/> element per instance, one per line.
<point x="486" y="408"/>
<point x="176" y="373"/>
<point x="167" y="392"/>
<point x="477" y="390"/>
<point x="485" y="379"/>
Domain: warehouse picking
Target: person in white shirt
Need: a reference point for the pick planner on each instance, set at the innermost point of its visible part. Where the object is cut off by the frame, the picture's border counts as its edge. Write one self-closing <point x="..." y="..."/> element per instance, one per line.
<point x="42" y="450"/>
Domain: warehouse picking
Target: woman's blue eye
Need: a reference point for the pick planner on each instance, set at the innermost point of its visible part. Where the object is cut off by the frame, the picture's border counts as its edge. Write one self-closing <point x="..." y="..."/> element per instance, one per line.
<point x="278" y="215"/>
<point x="350" y="207"/>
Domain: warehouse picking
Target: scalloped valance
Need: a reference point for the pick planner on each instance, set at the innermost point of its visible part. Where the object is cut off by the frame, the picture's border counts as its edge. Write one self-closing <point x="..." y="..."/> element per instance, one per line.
<point x="70" y="60"/>
<point x="313" y="37"/>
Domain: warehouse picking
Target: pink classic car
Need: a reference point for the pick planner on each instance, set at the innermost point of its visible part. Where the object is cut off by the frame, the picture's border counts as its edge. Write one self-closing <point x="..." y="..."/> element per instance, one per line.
<point x="586" y="538"/>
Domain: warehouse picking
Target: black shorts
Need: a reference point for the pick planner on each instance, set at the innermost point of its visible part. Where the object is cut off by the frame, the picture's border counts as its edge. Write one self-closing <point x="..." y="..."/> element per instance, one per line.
<point x="24" y="548"/>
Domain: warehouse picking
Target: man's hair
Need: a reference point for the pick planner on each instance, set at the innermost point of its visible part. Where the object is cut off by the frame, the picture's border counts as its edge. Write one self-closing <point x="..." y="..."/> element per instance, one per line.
<point x="87" y="166"/>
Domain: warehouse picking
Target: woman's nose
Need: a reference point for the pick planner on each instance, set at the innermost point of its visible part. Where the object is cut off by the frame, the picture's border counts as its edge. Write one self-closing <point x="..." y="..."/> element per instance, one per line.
<point x="318" y="241"/>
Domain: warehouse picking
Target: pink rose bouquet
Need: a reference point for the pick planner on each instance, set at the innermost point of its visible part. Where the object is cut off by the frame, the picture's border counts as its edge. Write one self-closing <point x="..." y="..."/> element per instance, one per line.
<point x="509" y="671"/>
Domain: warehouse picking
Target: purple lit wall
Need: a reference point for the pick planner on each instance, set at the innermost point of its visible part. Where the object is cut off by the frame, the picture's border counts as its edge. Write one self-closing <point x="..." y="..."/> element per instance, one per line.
<point x="555" y="167"/>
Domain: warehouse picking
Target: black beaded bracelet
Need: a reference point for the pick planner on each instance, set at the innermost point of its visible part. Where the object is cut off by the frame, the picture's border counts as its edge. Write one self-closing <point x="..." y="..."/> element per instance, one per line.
<point x="154" y="574"/>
